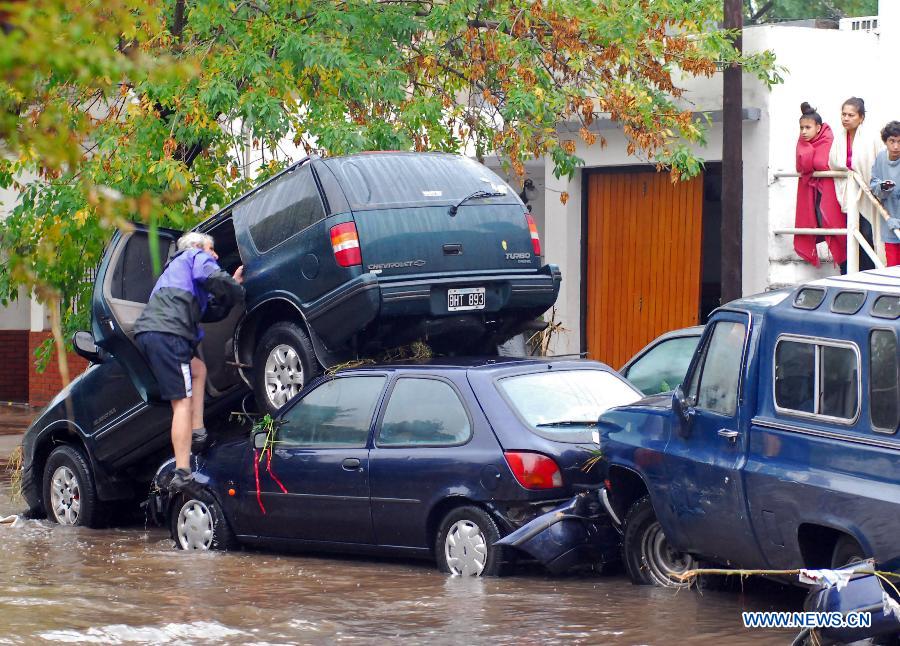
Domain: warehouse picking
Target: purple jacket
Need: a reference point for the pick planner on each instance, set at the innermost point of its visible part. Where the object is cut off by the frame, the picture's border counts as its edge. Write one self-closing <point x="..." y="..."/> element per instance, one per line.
<point x="183" y="293"/>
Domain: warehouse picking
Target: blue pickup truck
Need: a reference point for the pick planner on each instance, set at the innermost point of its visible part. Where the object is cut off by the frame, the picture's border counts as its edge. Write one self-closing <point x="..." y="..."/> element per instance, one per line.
<point x="780" y="449"/>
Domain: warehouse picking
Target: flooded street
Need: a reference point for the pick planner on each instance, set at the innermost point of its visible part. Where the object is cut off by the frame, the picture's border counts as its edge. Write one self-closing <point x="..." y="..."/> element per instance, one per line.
<point x="129" y="585"/>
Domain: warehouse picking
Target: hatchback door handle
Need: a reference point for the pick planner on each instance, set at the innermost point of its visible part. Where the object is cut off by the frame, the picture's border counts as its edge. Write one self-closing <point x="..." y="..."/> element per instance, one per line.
<point x="351" y="464"/>
<point x="452" y="249"/>
<point x="728" y="434"/>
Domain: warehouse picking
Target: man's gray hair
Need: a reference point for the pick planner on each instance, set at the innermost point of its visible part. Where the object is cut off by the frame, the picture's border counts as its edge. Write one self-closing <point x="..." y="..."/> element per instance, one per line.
<point x="194" y="239"/>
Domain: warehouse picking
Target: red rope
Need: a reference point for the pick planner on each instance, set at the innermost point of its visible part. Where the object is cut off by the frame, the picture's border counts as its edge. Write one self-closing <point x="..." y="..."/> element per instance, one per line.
<point x="256" y="473"/>
<point x="271" y="473"/>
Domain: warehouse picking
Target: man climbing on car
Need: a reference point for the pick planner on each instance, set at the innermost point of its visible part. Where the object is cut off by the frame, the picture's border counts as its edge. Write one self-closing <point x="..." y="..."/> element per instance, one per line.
<point x="191" y="289"/>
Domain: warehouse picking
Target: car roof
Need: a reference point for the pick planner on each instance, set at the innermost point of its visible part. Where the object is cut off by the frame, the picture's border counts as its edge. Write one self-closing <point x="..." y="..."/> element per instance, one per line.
<point x="480" y="364"/>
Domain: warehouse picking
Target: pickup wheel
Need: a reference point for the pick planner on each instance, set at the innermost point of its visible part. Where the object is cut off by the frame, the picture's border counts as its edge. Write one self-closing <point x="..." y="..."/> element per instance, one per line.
<point x="70" y="497"/>
<point x="846" y="552"/>
<point x="648" y="557"/>
<point x="284" y="362"/>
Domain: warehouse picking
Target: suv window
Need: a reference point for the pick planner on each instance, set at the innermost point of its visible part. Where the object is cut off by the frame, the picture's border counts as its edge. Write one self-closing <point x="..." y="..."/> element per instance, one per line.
<point x="817" y="378"/>
<point x="424" y="411"/>
<point x="715" y="382"/>
<point x="133" y="278"/>
<point x="884" y="389"/>
<point x="283" y="208"/>
<point x="336" y="414"/>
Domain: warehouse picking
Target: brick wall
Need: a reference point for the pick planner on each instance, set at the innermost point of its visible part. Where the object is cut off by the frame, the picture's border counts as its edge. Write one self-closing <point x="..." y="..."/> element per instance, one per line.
<point x="14" y="365"/>
<point x="42" y="386"/>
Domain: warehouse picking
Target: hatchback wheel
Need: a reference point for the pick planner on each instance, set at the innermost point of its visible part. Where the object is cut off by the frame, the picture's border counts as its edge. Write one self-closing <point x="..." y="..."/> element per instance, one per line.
<point x="466" y="543"/>
<point x="198" y="524"/>
<point x="284" y="361"/>
<point x="648" y="557"/>
<point x="70" y="497"/>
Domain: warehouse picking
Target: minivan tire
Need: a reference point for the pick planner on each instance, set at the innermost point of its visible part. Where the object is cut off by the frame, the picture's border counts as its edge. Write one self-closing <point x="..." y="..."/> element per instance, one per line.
<point x="284" y="350"/>
<point x="646" y="554"/>
<point x="70" y="496"/>
<point x="466" y="543"/>
<point x="197" y="523"/>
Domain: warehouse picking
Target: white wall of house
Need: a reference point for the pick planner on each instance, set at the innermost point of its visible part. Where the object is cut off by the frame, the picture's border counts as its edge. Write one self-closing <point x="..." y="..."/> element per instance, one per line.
<point x="824" y="67"/>
<point x="17" y="314"/>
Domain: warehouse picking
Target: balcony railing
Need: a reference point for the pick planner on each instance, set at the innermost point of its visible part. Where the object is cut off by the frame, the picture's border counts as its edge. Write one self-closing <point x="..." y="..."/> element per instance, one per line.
<point x="855" y="239"/>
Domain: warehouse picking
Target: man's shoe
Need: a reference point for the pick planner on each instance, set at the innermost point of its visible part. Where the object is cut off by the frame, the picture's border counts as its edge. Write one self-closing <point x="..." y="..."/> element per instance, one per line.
<point x="181" y="479"/>
<point x="198" y="439"/>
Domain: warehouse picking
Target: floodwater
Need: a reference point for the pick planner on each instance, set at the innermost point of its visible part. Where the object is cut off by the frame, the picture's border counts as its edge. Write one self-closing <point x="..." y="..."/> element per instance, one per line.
<point x="130" y="586"/>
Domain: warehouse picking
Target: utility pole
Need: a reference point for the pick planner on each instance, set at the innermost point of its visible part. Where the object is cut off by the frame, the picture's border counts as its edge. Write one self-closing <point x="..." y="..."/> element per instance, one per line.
<point x="732" y="164"/>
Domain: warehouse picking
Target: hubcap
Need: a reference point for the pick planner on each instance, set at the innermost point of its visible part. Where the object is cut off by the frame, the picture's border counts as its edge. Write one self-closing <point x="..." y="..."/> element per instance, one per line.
<point x="465" y="549"/>
<point x="194" y="528"/>
<point x="65" y="496"/>
<point x="284" y="375"/>
<point x="662" y="561"/>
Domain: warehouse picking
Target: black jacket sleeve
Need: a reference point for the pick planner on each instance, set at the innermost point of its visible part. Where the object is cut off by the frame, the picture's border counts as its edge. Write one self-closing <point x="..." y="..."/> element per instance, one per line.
<point x="224" y="293"/>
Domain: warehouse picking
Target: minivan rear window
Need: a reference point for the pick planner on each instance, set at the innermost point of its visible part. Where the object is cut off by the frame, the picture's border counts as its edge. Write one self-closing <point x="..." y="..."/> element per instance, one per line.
<point x="564" y="405"/>
<point x="381" y="180"/>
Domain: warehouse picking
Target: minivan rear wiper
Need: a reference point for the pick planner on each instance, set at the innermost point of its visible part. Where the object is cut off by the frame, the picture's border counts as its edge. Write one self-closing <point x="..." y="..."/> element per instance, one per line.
<point x="477" y="194"/>
<point x="571" y="422"/>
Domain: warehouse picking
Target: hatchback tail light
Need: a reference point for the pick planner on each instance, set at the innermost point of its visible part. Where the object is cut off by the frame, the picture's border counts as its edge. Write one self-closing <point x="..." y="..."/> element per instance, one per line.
<point x="535" y="238"/>
<point x="533" y="470"/>
<point x="345" y="243"/>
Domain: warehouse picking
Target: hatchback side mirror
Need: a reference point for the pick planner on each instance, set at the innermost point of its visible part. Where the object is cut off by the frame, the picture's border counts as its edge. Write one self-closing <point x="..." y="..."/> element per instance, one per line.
<point x="86" y="347"/>
<point x="259" y="439"/>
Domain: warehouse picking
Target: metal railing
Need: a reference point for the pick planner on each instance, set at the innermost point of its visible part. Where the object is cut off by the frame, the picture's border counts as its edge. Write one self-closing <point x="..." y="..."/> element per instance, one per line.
<point x="855" y="239"/>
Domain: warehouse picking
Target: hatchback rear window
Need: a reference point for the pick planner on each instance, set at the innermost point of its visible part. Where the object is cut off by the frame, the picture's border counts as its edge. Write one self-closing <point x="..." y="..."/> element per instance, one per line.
<point x="564" y="405"/>
<point x="399" y="179"/>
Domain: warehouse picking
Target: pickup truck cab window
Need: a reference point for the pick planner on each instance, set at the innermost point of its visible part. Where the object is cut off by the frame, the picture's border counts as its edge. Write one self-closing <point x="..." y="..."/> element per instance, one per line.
<point x="715" y="382"/>
<point x="884" y="389"/>
<point x="817" y="377"/>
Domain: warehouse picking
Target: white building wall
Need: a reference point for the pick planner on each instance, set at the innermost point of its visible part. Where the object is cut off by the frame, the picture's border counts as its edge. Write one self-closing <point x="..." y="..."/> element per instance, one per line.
<point x="824" y="67"/>
<point x="16" y="315"/>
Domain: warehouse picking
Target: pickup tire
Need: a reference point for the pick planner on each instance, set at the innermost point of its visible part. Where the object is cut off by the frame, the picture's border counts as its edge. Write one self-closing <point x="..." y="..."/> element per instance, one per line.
<point x="70" y="496"/>
<point x="284" y="361"/>
<point x="648" y="558"/>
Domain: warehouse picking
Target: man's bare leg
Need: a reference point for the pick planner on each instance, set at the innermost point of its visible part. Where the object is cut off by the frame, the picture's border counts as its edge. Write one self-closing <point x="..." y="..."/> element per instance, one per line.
<point x="181" y="433"/>
<point x="198" y="379"/>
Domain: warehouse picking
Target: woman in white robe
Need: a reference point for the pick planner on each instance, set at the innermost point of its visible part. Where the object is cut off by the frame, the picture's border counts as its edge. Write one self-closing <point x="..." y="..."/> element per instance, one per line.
<point x="855" y="148"/>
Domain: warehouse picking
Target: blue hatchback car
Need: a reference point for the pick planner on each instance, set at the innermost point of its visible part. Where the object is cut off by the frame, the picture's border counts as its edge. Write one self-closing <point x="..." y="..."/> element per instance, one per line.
<point x="438" y="459"/>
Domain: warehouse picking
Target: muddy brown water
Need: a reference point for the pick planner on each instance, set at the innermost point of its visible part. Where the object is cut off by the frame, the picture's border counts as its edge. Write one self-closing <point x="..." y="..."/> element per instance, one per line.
<point x="130" y="586"/>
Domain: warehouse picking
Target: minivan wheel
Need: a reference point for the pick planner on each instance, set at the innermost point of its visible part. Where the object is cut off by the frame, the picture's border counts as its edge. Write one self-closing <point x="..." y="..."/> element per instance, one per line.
<point x="284" y="361"/>
<point x="70" y="497"/>
<point x="648" y="557"/>
<point x="198" y="524"/>
<point x="466" y="543"/>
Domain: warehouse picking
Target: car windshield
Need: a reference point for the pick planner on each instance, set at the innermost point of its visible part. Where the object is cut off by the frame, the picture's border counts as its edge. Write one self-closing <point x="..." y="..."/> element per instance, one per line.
<point x="564" y="405"/>
<point x="375" y="181"/>
<point x="664" y="366"/>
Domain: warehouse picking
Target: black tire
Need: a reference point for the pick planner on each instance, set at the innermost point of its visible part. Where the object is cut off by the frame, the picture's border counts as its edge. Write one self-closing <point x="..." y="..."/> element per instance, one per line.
<point x="846" y="551"/>
<point x="288" y="347"/>
<point x="477" y="553"/>
<point x="646" y="554"/>
<point x="70" y="496"/>
<point x="197" y="523"/>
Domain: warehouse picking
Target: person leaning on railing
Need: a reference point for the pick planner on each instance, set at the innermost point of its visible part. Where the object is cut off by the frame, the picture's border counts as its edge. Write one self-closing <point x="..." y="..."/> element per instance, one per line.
<point x="885" y="177"/>
<point x="817" y="204"/>
<point x="854" y="148"/>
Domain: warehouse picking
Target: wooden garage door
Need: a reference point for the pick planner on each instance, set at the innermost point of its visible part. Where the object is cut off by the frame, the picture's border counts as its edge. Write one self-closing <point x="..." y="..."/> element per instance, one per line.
<point x="643" y="260"/>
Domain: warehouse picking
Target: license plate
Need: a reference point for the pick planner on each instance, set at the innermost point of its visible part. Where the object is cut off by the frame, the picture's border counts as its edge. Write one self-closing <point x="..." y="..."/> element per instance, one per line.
<point x="466" y="298"/>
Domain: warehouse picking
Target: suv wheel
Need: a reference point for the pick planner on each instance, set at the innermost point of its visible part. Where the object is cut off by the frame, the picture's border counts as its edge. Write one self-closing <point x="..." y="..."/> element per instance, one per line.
<point x="284" y="361"/>
<point x="648" y="557"/>
<point x="70" y="497"/>
<point x="465" y="543"/>
<point x="198" y="524"/>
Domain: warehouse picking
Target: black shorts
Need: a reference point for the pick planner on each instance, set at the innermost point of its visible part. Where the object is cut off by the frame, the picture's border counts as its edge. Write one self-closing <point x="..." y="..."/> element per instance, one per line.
<point x="169" y="356"/>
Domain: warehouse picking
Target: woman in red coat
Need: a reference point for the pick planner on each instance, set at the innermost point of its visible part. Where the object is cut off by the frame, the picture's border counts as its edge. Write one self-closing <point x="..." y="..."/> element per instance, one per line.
<point x="817" y="204"/>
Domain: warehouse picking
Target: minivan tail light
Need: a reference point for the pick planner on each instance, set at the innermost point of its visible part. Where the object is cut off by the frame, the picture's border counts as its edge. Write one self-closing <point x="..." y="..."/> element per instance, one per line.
<point x="533" y="470"/>
<point x="345" y="243"/>
<point x="535" y="238"/>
